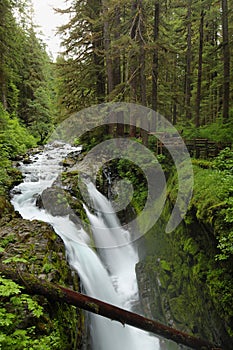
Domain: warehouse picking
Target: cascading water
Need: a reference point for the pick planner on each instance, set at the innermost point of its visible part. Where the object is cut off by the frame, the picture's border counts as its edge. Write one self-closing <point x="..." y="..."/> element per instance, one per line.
<point x="109" y="276"/>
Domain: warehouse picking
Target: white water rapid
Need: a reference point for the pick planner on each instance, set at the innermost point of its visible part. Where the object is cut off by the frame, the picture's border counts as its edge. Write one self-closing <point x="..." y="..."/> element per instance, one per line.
<point x="109" y="276"/>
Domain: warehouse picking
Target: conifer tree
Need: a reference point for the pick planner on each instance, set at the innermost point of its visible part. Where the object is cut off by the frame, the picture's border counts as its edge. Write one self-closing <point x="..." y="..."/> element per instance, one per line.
<point x="170" y="56"/>
<point x="226" y="60"/>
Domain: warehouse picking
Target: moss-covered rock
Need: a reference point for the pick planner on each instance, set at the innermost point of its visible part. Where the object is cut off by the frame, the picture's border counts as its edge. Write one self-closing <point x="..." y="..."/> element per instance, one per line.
<point x="33" y="246"/>
<point x="195" y="287"/>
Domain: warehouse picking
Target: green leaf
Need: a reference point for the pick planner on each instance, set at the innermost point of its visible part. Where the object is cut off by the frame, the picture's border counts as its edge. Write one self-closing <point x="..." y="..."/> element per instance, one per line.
<point x="8" y="287"/>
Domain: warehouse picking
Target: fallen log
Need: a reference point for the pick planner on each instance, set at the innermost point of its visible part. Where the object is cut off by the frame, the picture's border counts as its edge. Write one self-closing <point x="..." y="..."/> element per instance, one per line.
<point x="34" y="285"/>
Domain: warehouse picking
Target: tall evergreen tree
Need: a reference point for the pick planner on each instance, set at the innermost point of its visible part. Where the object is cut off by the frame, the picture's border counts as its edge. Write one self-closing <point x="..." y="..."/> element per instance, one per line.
<point x="8" y="34"/>
<point x="200" y="63"/>
<point x="188" y="72"/>
<point x="24" y="66"/>
<point x="226" y="60"/>
<point x="163" y="54"/>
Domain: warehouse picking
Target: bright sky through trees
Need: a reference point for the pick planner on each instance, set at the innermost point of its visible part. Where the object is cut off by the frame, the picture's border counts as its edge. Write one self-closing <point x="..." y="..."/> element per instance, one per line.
<point x="49" y="20"/>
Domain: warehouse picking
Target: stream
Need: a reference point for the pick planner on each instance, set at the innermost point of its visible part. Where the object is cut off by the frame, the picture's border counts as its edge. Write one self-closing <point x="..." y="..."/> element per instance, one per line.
<point x="108" y="275"/>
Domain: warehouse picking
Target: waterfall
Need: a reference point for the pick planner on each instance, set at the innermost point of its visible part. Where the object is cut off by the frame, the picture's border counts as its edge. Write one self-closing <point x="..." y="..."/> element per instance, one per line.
<point x="108" y="275"/>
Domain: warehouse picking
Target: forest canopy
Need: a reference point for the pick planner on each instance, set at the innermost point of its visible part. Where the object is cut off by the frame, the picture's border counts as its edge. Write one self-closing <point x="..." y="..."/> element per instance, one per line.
<point x="172" y="56"/>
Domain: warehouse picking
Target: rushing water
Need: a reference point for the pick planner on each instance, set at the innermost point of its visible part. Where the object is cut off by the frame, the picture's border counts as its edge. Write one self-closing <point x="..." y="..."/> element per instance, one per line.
<point x="110" y="275"/>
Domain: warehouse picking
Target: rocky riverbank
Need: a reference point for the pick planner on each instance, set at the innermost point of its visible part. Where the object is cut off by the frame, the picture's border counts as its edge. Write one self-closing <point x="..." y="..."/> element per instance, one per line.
<point x="174" y="278"/>
<point x="34" y="247"/>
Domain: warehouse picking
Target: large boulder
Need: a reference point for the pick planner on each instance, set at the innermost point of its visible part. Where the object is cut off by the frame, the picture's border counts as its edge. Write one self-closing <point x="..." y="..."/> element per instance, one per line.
<point x="54" y="200"/>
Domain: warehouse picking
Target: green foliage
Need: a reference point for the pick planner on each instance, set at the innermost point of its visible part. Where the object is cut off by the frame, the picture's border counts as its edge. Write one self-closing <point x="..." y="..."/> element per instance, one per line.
<point x="217" y="132"/>
<point x="203" y="163"/>
<point x="14" y="306"/>
<point x="48" y="267"/>
<point x="224" y="161"/>
<point x="9" y="239"/>
<point x="83" y="66"/>
<point x="207" y="198"/>
<point x="26" y="84"/>
<point x="220" y="284"/>
<point x="198" y="255"/>
<point x="226" y="246"/>
<point x="213" y="204"/>
<point x="14" y="139"/>
<point x="128" y="170"/>
<point x="14" y="259"/>
<point x="8" y="287"/>
<point x="165" y="265"/>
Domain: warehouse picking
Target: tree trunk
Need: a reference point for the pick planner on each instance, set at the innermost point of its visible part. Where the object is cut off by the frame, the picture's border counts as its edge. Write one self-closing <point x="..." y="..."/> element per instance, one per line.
<point x="226" y="60"/>
<point x="116" y="51"/>
<point x="142" y="78"/>
<point x="100" y="76"/>
<point x="98" y="49"/>
<point x="142" y="54"/>
<point x="199" y="75"/>
<point x="108" y="61"/>
<point x="133" y="81"/>
<point x="155" y="69"/>
<point x="188" y="62"/>
<point x="120" y="127"/>
<point x="107" y="43"/>
<point x="113" y="66"/>
<point x="53" y="292"/>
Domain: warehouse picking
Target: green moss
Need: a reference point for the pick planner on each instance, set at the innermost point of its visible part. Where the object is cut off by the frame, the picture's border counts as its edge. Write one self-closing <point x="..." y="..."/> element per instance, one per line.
<point x="194" y="262"/>
<point x="34" y="247"/>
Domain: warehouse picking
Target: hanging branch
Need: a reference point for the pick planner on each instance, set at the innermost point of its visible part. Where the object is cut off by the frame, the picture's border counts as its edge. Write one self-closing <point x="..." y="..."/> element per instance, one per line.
<point x="34" y="285"/>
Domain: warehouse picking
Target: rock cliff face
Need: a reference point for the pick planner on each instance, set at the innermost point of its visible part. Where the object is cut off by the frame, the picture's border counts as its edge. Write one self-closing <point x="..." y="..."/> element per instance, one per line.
<point x="172" y="289"/>
<point x="172" y="277"/>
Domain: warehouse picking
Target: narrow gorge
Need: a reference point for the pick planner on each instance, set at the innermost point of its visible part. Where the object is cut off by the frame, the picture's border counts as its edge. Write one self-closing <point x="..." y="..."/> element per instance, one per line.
<point x="165" y="286"/>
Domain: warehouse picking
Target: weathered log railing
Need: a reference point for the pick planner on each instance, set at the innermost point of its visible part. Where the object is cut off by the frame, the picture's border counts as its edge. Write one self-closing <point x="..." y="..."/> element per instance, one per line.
<point x="197" y="148"/>
<point x="34" y="285"/>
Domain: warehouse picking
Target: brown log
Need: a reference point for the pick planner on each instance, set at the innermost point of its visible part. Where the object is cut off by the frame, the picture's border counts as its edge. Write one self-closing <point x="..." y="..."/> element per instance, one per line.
<point x="34" y="285"/>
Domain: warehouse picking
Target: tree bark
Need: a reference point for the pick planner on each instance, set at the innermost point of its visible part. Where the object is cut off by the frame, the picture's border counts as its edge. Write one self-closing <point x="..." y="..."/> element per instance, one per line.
<point x="188" y="62"/>
<point x="107" y="41"/>
<point x="142" y="65"/>
<point x="133" y="70"/>
<point x="155" y="68"/>
<point x="116" y="51"/>
<point x="199" y="74"/>
<point x="34" y="285"/>
<point x="98" y="48"/>
<point x="226" y="60"/>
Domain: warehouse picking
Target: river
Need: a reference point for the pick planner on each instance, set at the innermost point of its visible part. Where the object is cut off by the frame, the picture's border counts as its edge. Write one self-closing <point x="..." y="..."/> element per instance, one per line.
<point x="108" y="275"/>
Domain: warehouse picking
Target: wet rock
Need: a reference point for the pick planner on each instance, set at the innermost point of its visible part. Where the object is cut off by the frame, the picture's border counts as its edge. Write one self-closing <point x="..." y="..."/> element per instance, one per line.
<point x="17" y="158"/>
<point x="149" y="294"/>
<point x="5" y="206"/>
<point x="39" y="202"/>
<point x="71" y="159"/>
<point x="27" y="160"/>
<point x="15" y="191"/>
<point x="68" y="162"/>
<point x="34" y="178"/>
<point x="54" y="200"/>
<point x="33" y="247"/>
